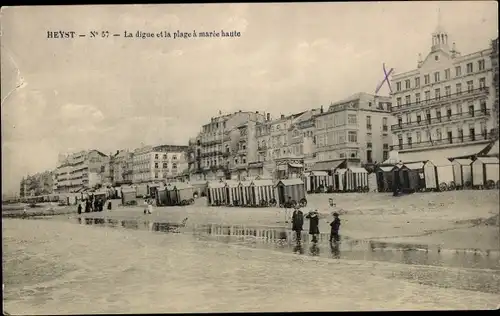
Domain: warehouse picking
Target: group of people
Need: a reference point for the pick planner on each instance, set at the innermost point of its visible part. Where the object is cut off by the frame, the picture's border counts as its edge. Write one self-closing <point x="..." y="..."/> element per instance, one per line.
<point x="92" y="204"/>
<point x="148" y="205"/>
<point x="313" y="216"/>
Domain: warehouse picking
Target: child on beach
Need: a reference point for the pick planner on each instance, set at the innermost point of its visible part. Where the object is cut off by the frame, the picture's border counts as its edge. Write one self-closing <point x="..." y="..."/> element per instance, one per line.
<point x="335" y="226"/>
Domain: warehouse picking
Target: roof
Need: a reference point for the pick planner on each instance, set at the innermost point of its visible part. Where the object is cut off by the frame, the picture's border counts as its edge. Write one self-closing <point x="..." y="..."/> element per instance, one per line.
<point x="439" y="162"/>
<point x="414" y="166"/>
<point x="357" y="170"/>
<point x="319" y="173"/>
<point x="290" y="181"/>
<point x="263" y="182"/>
<point x="494" y="150"/>
<point x="232" y="183"/>
<point x="128" y="189"/>
<point x="487" y="160"/>
<point x="386" y="168"/>
<point x="245" y="183"/>
<point x="340" y="171"/>
<point x="215" y="184"/>
<point x="449" y="153"/>
<point x="327" y="165"/>
<point x="463" y="162"/>
<point x="183" y="185"/>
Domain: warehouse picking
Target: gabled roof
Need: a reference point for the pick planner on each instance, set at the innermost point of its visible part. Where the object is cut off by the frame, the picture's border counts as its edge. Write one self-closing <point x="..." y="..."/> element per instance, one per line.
<point x="487" y="160"/>
<point x="414" y="166"/>
<point x="263" y="182"/>
<point x="357" y="170"/>
<point x="215" y="184"/>
<point x="232" y="183"/>
<point x="463" y="162"/>
<point x="287" y="182"/>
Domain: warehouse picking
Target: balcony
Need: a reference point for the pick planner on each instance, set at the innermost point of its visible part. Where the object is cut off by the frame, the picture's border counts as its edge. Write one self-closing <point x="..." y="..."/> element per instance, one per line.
<point x="262" y="148"/>
<point x="445" y="99"/>
<point x="443" y="141"/>
<point x="442" y="119"/>
<point x="211" y="154"/>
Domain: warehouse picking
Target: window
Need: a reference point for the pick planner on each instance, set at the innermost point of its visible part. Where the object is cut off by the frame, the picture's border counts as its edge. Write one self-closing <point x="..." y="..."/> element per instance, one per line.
<point x="398" y="86"/>
<point x="408" y="117"/>
<point x="156" y="156"/>
<point x="407" y="100"/>
<point x="459" y="109"/>
<point x="470" y="68"/>
<point x="368" y="122"/>
<point x="384" y="124"/>
<point x="407" y="84"/>
<point x="156" y="165"/>
<point x="447" y="91"/>
<point x="369" y="104"/>
<point x="427" y="79"/>
<point x="436" y="77"/>
<point x="483" y="106"/>
<point x="450" y="135"/>
<point x="480" y="64"/>
<point x="385" y="155"/>
<point x="385" y="146"/>
<point x="417" y="98"/>
<point x="447" y="74"/>
<point x="244" y="160"/>
<point x="419" y="118"/>
<point x="352" y="118"/>
<point x="156" y="175"/>
<point x="448" y="112"/>
<point x="174" y="157"/>
<point x="458" y="71"/>
<point x="409" y="140"/>
<point x="428" y="115"/>
<point x="438" y="114"/>
<point x="439" y="136"/>
<point x="459" y="88"/>
<point x="165" y="165"/>
<point x="389" y="106"/>
<point x="437" y="93"/>
<point x="482" y="83"/>
<point x="419" y="137"/>
<point x="164" y="156"/>
<point x="369" y="156"/>
<point x="400" y="141"/>
<point x="400" y="121"/>
<point x="352" y="136"/>
<point x="470" y="86"/>
<point x="427" y="95"/>
<point x="484" y="131"/>
<point x="174" y="166"/>
<point x="398" y="101"/>
<point x="417" y="82"/>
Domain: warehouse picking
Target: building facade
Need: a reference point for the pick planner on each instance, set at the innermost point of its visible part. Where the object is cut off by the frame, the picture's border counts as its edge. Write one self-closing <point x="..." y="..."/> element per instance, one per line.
<point x="80" y="170"/>
<point x="496" y="83"/>
<point x="355" y="130"/>
<point x="121" y="167"/>
<point x="445" y="105"/>
<point x="224" y="147"/>
<point x="158" y="163"/>
<point x="37" y="184"/>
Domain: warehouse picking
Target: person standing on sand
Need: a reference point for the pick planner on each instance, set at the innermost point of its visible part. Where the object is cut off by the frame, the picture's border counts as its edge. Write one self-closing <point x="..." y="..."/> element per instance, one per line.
<point x="297" y="222"/>
<point x="335" y="225"/>
<point x="79" y="210"/>
<point x="313" y="225"/>
<point x="150" y="207"/>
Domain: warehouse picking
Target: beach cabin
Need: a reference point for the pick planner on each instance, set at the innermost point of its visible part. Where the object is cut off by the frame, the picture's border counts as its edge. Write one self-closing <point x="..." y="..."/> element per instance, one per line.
<point x="181" y="193"/>
<point x="439" y="174"/>
<point x="317" y="181"/>
<point x="339" y="180"/>
<point x="129" y="194"/>
<point x="411" y="177"/>
<point x="396" y="179"/>
<point x="247" y="194"/>
<point x="356" y="179"/>
<point x="200" y="188"/>
<point x="216" y="194"/>
<point x="293" y="188"/>
<point x="372" y="182"/>
<point x="384" y="178"/>
<point x="233" y="192"/>
<point x="142" y="190"/>
<point x="162" y="197"/>
<point x="264" y="192"/>
<point x="485" y="172"/>
<point x="462" y="173"/>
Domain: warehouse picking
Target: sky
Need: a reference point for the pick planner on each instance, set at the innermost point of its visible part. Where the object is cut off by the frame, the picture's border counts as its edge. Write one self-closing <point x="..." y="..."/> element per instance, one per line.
<point x="116" y="93"/>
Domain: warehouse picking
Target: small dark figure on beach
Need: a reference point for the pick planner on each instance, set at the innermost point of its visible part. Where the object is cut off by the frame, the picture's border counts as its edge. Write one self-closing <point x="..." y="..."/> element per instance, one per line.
<point x="96" y="205"/>
<point x="79" y="209"/>
<point x="313" y="225"/>
<point x="109" y="205"/>
<point x="87" y="206"/>
<point x="297" y="222"/>
<point x="335" y="226"/>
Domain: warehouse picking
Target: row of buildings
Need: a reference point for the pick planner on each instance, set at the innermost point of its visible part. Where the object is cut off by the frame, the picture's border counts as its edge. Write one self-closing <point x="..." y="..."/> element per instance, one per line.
<point x="447" y="105"/>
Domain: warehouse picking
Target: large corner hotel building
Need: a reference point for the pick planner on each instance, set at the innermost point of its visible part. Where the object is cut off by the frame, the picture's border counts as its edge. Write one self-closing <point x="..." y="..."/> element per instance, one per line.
<point x="444" y="107"/>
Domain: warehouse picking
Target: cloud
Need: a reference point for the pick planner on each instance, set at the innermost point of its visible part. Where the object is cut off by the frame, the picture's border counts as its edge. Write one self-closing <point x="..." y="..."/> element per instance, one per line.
<point x="85" y="112"/>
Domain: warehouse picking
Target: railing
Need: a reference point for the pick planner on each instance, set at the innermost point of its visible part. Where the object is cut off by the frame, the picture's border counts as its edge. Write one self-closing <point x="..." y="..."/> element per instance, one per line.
<point x="442" y="119"/>
<point x="211" y="154"/>
<point x="443" y="141"/>
<point x="433" y="101"/>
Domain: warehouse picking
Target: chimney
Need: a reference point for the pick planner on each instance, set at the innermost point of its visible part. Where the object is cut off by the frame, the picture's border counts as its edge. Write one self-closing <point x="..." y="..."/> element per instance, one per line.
<point x="321" y="109"/>
<point x="268" y="117"/>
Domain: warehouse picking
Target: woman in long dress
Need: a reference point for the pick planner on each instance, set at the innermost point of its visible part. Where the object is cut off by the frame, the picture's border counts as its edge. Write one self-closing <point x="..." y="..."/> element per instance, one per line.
<point x="313" y="224"/>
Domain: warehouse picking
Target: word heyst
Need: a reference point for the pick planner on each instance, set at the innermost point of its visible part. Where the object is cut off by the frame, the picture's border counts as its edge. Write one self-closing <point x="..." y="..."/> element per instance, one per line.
<point x="144" y="35"/>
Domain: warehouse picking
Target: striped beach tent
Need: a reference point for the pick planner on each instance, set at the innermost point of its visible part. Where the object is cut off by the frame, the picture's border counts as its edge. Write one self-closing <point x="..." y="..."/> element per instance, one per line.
<point x="340" y="179"/>
<point x="233" y="192"/>
<point x="263" y="190"/>
<point x="216" y="193"/>
<point x="248" y="198"/>
<point x="356" y="178"/>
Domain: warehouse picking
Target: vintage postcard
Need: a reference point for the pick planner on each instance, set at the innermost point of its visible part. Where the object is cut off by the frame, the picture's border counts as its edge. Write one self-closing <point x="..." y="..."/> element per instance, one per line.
<point x="250" y="157"/>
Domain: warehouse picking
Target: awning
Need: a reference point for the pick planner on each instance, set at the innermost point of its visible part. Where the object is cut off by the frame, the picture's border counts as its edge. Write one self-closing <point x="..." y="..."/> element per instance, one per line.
<point x="448" y="153"/>
<point x="319" y="173"/>
<point x="327" y="165"/>
<point x="494" y="150"/>
<point x="282" y="167"/>
<point x="386" y="169"/>
<point x="358" y="170"/>
<point x="414" y="166"/>
<point x="295" y="165"/>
